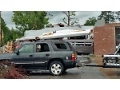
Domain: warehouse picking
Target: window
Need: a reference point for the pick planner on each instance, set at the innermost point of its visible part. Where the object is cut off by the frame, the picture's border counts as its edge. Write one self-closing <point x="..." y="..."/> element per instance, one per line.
<point x="42" y="47"/>
<point x="26" y="49"/>
<point x="61" y="46"/>
<point x="82" y="43"/>
<point x="118" y="36"/>
<point x="79" y="43"/>
<point x="88" y="44"/>
<point x="78" y="37"/>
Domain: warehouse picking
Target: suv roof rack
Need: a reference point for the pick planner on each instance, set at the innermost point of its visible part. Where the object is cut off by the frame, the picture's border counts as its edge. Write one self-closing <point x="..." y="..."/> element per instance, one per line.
<point x="54" y="39"/>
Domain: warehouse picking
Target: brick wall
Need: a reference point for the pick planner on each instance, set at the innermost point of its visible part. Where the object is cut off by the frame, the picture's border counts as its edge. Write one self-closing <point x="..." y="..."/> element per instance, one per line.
<point x="104" y="39"/>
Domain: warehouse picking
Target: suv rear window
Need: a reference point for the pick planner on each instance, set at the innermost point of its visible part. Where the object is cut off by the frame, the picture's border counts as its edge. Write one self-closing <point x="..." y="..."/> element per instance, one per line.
<point x="61" y="46"/>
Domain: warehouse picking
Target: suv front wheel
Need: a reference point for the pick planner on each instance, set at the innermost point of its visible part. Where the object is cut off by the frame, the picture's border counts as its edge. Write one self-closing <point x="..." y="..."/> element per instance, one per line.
<point x="56" y="68"/>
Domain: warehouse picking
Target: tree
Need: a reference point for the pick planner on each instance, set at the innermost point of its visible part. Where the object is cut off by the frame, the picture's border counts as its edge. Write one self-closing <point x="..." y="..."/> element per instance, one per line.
<point x="108" y="16"/>
<point x="118" y="15"/>
<point x="9" y="35"/>
<point x="1" y="31"/>
<point x="70" y="19"/>
<point x="14" y="34"/>
<point x="90" y="21"/>
<point x="27" y="20"/>
<point x="6" y="31"/>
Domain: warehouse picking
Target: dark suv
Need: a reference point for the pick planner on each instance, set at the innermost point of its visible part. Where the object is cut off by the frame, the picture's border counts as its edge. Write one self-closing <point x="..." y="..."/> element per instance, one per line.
<point x="53" y="55"/>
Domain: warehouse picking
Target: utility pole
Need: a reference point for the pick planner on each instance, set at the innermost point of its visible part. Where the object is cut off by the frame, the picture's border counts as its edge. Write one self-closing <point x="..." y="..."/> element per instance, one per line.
<point x="1" y="33"/>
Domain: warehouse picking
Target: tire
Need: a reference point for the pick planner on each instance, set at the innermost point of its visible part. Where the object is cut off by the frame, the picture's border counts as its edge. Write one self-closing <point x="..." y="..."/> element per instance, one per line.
<point x="104" y="64"/>
<point x="56" y="68"/>
<point x="64" y="70"/>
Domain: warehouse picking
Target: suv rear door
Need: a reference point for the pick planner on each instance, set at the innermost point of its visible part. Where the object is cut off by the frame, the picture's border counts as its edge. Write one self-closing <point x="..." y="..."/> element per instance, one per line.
<point x="42" y="55"/>
<point x="62" y="50"/>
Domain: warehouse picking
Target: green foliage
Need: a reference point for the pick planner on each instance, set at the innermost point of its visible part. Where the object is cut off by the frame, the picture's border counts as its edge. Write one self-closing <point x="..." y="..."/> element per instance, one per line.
<point x="15" y="34"/>
<point x="27" y="20"/>
<point x="118" y="15"/>
<point x="90" y="21"/>
<point x="5" y="30"/>
<point x="108" y="16"/>
<point x="9" y="35"/>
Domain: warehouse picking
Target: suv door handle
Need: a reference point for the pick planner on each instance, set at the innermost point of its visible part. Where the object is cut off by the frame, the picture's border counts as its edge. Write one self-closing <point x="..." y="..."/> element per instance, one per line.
<point x="47" y="54"/>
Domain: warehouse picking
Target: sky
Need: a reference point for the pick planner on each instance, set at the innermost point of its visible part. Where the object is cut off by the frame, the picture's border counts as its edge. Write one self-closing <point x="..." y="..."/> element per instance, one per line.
<point x="57" y="17"/>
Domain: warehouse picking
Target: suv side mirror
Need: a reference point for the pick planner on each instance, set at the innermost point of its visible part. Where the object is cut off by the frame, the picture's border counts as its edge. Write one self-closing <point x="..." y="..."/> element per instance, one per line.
<point x="17" y="52"/>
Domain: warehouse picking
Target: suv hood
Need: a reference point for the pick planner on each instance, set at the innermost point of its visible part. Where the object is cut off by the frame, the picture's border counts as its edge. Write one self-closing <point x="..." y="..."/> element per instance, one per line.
<point x="6" y="56"/>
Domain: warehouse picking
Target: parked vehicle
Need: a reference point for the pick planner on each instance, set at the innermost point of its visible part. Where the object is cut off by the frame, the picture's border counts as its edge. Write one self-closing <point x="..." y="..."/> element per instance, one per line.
<point x="112" y="60"/>
<point x="83" y="46"/>
<point x="54" y="55"/>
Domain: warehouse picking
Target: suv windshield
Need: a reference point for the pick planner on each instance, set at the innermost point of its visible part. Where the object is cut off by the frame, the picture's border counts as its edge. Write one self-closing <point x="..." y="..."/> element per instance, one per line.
<point x="26" y="49"/>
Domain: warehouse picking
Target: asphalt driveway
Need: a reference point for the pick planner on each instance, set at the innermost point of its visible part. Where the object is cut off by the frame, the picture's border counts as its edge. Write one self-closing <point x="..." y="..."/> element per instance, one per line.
<point x="84" y="72"/>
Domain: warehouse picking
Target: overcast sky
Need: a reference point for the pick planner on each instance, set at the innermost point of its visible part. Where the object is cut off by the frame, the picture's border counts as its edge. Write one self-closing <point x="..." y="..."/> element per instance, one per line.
<point x="56" y="18"/>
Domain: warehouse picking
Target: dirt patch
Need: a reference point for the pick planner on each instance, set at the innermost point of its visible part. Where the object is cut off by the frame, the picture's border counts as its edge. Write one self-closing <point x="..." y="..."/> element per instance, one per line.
<point x="112" y="73"/>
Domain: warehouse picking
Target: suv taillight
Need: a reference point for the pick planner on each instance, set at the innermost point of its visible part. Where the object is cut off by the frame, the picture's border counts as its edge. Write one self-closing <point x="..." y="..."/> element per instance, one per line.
<point x="73" y="57"/>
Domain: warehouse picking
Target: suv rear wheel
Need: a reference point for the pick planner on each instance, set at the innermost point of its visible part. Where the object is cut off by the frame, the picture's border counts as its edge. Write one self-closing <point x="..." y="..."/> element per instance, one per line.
<point x="56" y="68"/>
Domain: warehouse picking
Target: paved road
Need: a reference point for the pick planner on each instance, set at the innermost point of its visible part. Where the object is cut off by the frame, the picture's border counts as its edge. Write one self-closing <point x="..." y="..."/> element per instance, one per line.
<point x="85" y="72"/>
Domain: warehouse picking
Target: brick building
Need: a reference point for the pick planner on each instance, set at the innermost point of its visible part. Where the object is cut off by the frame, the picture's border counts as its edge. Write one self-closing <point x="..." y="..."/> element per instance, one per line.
<point x="105" y="38"/>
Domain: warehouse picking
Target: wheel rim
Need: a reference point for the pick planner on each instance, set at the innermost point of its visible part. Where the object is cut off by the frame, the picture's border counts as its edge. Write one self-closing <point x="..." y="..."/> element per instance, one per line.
<point x="56" y="69"/>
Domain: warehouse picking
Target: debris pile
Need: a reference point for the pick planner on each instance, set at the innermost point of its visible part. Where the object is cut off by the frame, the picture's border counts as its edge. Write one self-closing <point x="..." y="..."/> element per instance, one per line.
<point x="8" y="48"/>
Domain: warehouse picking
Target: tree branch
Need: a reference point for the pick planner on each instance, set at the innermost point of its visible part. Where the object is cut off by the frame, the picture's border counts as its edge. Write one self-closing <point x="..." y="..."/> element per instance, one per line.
<point x="65" y="13"/>
<point x="64" y="20"/>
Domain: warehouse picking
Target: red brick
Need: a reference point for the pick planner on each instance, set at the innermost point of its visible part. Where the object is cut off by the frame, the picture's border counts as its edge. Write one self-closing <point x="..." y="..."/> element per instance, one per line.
<point x="104" y="39"/>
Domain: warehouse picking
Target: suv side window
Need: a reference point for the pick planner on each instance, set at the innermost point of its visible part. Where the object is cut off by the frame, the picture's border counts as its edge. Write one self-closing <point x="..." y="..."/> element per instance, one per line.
<point x="61" y="46"/>
<point x="42" y="47"/>
<point x="27" y="49"/>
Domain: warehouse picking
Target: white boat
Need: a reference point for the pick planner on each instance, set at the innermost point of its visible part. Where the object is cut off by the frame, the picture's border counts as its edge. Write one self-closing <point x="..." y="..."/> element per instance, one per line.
<point x="64" y="33"/>
<point x="50" y="33"/>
